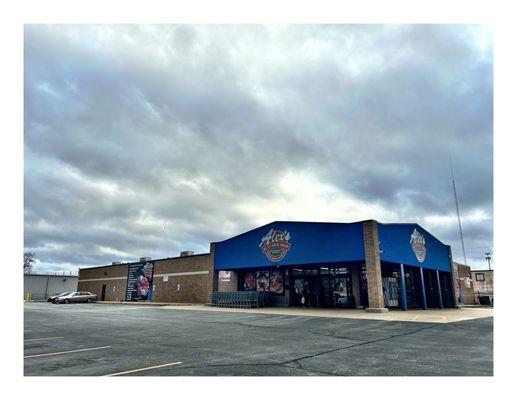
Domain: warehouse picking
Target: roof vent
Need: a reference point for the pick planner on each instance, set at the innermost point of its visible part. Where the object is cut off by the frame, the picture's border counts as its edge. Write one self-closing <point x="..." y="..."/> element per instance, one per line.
<point x="186" y="253"/>
<point x="145" y="258"/>
<point x="116" y="263"/>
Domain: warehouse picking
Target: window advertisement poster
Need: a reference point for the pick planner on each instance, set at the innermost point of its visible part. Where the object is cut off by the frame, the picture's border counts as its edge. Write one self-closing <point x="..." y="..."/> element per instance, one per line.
<point x="225" y="276"/>
<point x="249" y="281"/>
<point x="139" y="281"/>
<point x="276" y="282"/>
<point x="262" y="281"/>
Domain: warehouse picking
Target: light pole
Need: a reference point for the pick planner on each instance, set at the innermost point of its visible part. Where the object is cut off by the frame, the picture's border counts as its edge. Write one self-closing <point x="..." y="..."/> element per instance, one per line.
<point x="488" y="257"/>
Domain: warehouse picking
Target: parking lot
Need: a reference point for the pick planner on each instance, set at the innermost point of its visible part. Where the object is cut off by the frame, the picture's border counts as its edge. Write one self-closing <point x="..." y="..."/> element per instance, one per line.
<point x="130" y="340"/>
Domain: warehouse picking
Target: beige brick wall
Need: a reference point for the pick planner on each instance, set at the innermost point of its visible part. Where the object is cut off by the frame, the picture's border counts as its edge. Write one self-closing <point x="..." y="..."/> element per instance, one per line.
<point x="373" y="264"/>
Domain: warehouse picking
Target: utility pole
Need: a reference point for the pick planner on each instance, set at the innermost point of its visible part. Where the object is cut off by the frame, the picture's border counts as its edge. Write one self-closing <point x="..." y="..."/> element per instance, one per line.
<point x="488" y="257"/>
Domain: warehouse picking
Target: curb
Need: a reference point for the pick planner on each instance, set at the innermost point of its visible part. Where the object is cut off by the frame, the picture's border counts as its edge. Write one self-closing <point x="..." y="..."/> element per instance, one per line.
<point x="137" y="303"/>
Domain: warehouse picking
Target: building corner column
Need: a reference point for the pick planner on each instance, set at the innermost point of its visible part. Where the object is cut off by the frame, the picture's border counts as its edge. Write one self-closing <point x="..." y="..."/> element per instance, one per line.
<point x="422" y="288"/>
<point x="403" y="295"/>
<point x="212" y="278"/>
<point x="455" y="281"/>
<point x="439" y="289"/>
<point x="373" y="267"/>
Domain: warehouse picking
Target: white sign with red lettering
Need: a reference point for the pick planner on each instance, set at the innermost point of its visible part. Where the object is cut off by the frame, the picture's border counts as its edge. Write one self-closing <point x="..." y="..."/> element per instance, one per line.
<point x="417" y="242"/>
<point x="275" y="244"/>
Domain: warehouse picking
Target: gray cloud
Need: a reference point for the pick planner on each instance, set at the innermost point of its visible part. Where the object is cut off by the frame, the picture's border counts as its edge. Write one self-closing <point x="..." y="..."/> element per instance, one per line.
<point x="146" y="140"/>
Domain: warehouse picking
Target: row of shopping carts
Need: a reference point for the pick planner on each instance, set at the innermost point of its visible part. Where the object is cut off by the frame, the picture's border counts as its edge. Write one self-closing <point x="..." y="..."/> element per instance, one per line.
<point x="240" y="299"/>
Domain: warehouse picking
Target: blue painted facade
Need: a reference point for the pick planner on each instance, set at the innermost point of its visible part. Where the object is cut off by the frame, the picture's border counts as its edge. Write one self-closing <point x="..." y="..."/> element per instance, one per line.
<point x="316" y="243"/>
<point x="310" y="243"/>
<point x="395" y="247"/>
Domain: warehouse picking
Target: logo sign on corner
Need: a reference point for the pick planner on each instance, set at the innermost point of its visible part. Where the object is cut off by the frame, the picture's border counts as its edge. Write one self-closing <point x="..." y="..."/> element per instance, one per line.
<point x="417" y="242"/>
<point x="275" y="244"/>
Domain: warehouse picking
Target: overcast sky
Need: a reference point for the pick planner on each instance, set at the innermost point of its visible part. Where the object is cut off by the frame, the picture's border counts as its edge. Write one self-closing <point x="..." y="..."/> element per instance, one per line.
<point x="149" y="140"/>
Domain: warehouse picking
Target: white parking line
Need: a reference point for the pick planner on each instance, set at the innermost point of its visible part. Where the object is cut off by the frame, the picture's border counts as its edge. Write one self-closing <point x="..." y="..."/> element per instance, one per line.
<point x="144" y="369"/>
<point x="65" y="352"/>
<point x="44" y="338"/>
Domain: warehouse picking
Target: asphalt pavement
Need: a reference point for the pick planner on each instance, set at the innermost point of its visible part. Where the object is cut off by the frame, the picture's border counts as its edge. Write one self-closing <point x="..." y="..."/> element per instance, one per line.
<point x="132" y="340"/>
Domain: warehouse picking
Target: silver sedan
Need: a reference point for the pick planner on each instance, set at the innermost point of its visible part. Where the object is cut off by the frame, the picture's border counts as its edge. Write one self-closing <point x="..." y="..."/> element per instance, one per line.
<point x="76" y="297"/>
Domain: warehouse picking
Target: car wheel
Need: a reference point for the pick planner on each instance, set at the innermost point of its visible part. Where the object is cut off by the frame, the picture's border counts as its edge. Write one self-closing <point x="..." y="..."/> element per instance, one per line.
<point x="67" y="301"/>
<point x="89" y="300"/>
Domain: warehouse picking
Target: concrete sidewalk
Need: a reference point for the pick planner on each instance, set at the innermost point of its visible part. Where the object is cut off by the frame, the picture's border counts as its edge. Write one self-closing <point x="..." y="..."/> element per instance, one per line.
<point x="447" y="315"/>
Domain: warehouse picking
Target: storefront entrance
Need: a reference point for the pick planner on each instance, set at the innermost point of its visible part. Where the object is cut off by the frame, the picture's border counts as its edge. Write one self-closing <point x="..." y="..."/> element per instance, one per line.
<point x="328" y="287"/>
<point x="433" y="294"/>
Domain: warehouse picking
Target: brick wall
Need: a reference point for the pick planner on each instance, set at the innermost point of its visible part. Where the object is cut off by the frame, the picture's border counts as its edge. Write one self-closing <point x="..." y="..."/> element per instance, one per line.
<point x="186" y="279"/>
<point x="113" y="276"/>
<point x="467" y="286"/>
<point x="373" y="264"/>
<point x="454" y="279"/>
<point x="486" y="286"/>
<point x="227" y="286"/>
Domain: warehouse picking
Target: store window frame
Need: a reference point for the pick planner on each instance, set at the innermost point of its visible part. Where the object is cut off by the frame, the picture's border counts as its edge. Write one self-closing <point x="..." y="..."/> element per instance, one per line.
<point x="242" y="275"/>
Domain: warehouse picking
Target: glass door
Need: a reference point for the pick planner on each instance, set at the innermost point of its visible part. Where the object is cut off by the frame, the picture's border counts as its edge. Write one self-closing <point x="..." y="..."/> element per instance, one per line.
<point x="327" y="288"/>
<point x="336" y="288"/>
<point x="298" y="291"/>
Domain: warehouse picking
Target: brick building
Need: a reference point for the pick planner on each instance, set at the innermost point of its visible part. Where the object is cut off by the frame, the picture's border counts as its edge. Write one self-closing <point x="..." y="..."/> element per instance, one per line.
<point x="363" y="264"/>
<point x="186" y="279"/>
<point x="483" y="283"/>
<point x="463" y="275"/>
<point x="474" y="283"/>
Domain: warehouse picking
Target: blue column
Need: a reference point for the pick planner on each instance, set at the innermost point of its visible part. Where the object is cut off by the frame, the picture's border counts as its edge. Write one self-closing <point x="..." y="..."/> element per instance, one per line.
<point x="403" y="288"/>
<point x="422" y="287"/>
<point x="439" y="287"/>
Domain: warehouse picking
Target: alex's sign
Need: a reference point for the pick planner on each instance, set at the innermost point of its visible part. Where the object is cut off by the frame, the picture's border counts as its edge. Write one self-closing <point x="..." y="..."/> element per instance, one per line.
<point x="275" y="244"/>
<point x="417" y="242"/>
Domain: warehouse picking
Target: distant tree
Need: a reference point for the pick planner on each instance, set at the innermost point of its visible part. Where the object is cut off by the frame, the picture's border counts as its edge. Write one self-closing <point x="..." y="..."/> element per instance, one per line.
<point x="28" y="259"/>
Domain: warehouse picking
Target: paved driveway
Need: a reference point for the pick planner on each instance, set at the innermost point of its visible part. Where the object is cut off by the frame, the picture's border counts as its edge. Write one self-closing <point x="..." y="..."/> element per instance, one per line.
<point x="96" y="339"/>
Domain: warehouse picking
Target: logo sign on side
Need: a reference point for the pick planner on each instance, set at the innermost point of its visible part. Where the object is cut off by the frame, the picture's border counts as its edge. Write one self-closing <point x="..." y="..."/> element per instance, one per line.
<point x="417" y="242"/>
<point x="275" y="244"/>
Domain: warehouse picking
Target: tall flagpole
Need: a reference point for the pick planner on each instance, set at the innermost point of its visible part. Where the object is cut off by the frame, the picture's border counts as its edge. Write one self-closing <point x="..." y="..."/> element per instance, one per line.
<point x="458" y="214"/>
<point x="460" y="294"/>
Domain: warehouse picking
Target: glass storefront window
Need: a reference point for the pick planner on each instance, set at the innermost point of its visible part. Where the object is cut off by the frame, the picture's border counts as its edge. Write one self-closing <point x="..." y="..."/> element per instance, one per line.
<point x="250" y="282"/>
<point x="272" y="281"/>
<point x="298" y="286"/>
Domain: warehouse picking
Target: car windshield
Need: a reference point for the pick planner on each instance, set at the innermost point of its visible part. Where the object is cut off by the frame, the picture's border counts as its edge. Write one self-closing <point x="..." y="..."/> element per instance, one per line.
<point x="63" y="294"/>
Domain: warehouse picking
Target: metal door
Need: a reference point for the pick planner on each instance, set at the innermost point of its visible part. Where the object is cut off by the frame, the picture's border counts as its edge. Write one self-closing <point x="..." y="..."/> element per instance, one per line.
<point x="390" y="289"/>
<point x="103" y="293"/>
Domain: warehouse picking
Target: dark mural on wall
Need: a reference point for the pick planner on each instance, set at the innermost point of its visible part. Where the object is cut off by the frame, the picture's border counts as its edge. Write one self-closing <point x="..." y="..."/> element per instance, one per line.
<point x="139" y="281"/>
